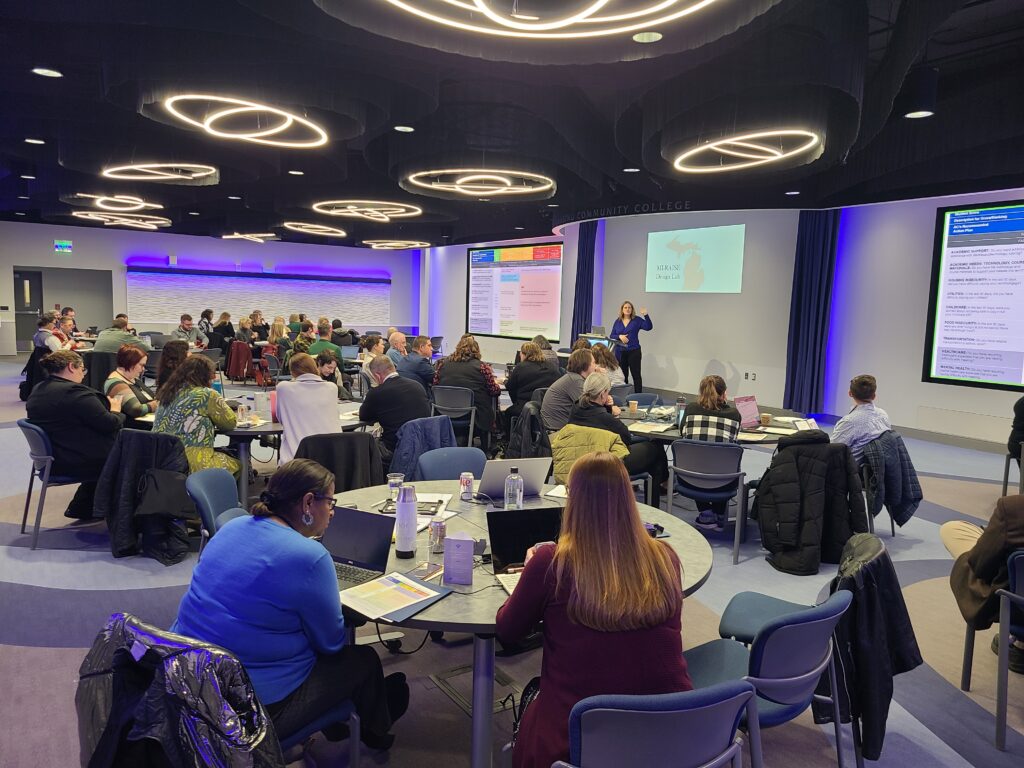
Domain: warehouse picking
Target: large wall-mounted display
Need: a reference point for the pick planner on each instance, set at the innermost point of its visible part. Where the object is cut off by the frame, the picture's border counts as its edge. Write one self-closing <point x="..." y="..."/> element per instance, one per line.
<point x="975" y="333"/>
<point x="515" y="292"/>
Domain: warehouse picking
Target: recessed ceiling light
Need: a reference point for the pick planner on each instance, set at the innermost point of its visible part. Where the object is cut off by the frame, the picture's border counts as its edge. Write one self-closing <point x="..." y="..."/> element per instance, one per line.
<point x="552" y="205"/>
<point x="631" y="170"/>
<point x="287" y="129"/>
<point x="19" y="213"/>
<point x="34" y="141"/>
<point x="47" y="72"/>
<point x="28" y="176"/>
<point x="918" y="114"/>
<point x="193" y="213"/>
<point x="519" y="228"/>
<point x="234" y="197"/>
<point x="647" y="37"/>
<point x="297" y="173"/>
<point x="23" y="197"/>
<point x="792" y="192"/>
<point x="404" y="128"/>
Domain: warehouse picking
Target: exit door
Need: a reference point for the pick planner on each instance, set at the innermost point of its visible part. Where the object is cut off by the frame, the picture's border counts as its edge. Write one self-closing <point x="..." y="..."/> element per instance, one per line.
<point x="28" y="306"/>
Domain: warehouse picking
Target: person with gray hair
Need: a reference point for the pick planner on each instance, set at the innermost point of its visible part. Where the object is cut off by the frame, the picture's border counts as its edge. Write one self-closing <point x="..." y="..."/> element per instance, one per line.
<point x="396" y="350"/>
<point x="391" y="403"/>
<point x="596" y="409"/>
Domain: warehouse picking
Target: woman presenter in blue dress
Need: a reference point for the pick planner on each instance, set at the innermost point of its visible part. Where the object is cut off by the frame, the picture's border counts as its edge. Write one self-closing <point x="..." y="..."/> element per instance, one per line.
<point x="626" y="330"/>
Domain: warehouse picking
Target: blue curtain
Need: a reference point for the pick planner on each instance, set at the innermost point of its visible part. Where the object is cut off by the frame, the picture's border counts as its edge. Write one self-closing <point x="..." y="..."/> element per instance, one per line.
<point x="809" y="310"/>
<point x="583" y="305"/>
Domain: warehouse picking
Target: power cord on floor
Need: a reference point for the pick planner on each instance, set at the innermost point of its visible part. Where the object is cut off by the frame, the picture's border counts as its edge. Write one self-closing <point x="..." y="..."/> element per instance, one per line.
<point x="395" y="646"/>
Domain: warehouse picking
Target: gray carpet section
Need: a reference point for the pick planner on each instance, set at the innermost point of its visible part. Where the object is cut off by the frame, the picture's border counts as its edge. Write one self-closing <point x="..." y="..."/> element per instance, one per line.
<point x="80" y="538"/>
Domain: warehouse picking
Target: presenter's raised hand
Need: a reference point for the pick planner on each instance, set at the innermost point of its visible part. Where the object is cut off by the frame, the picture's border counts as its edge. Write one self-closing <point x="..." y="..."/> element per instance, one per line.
<point x="643" y="311"/>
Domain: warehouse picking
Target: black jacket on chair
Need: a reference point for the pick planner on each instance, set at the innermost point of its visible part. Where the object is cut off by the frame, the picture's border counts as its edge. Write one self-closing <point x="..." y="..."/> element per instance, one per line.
<point x="891" y="479"/>
<point x="353" y="457"/>
<point x="809" y="503"/>
<point x="874" y="640"/>
<point x="529" y="438"/>
<point x="148" y="698"/>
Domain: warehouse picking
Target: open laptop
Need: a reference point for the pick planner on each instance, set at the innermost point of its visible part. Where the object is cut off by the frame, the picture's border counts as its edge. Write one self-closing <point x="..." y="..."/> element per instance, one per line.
<point x="513" y="531"/>
<point x="359" y="543"/>
<point x="533" y="471"/>
<point x="598" y="330"/>
<point x="749" y="414"/>
<point x="350" y="354"/>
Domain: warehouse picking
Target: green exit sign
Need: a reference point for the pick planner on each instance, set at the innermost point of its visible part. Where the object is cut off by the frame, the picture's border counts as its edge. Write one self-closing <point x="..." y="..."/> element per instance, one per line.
<point x="62" y="246"/>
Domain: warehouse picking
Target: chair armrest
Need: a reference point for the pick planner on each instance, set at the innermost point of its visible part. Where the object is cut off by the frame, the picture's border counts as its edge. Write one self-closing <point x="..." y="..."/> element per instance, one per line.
<point x="1013" y="597"/>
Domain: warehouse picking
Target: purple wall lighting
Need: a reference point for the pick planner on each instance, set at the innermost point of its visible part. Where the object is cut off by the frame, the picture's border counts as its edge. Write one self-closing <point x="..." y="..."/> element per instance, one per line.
<point x="843" y="286"/>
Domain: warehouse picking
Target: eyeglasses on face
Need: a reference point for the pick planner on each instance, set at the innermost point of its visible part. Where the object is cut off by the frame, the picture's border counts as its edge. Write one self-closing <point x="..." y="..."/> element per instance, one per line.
<point x="333" y="502"/>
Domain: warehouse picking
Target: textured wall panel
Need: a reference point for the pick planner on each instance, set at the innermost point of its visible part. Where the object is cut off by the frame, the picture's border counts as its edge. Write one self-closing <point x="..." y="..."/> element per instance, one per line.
<point x="162" y="298"/>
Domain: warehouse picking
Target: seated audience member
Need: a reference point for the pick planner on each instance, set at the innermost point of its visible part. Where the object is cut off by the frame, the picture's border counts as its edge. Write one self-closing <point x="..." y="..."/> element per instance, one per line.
<point x="116" y="336"/>
<point x="191" y="409"/>
<point x="291" y="640"/>
<point x="550" y="356"/>
<point x="596" y="409"/>
<point x="64" y="331"/>
<point x="174" y="353"/>
<point x="865" y="421"/>
<point x="607" y="362"/>
<point x="610" y="598"/>
<point x="70" y="312"/>
<point x="579" y="344"/>
<point x="128" y="324"/>
<point x="206" y="321"/>
<point x="391" y="403"/>
<point x="396" y="348"/>
<point x="224" y="326"/>
<point x="127" y="382"/>
<point x="324" y="341"/>
<point x="339" y="335"/>
<point x="711" y="418"/>
<point x="245" y="333"/>
<point x="327" y="367"/>
<point x="80" y="422"/>
<point x="186" y="331"/>
<point x="279" y="338"/>
<point x="464" y="368"/>
<point x="45" y="335"/>
<point x="1016" y="431"/>
<point x="294" y="322"/>
<point x="306" y="405"/>
<point x="979" y="569"/>
<point x="563" y="394"/>
<point x="417" y="363"/>
<point x="370" y="347"/>
<point x="530" y="373"/>
<point x="260" y="326"/>
<point x="308" y="331"/>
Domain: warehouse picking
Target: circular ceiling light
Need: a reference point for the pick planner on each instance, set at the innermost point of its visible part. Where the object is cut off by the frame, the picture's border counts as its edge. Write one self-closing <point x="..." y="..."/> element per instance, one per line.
<point x="380" y="211"/>
<point x="253" y="237"/>
<point x="747" y="150"/>
<point x="47" y="72"/>
<point x="618" y="17"/>
<point x="135" y="220"/>
<point x="287" y="130"/>
<point x="171" y="172"/>
<point x="404" y="128"/>
<point x="647" y="37"/>
<point x="473" y="182"/>
<point x="34" y="141"/>
<point x="308" y="228"/>
<point x="119" y="203"/>
<point x="395" y="245"/>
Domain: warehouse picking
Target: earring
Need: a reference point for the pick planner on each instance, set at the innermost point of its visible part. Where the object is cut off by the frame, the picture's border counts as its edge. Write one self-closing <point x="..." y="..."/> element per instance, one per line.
<point x="307" y="517"/>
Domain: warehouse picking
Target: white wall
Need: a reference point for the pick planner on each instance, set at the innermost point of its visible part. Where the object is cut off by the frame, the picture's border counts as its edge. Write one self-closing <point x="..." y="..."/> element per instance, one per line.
<point x="879" y="315"/>
<point x="699" y="334"/>
<point x="29" y="245"/>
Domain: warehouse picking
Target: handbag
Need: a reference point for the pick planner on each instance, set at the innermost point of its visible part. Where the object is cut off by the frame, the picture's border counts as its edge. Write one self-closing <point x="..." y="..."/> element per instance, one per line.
<point x="162" y="494"/>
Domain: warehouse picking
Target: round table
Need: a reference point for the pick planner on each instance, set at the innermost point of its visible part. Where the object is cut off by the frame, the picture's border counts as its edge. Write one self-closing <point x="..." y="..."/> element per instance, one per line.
<point x="473" y="608"/>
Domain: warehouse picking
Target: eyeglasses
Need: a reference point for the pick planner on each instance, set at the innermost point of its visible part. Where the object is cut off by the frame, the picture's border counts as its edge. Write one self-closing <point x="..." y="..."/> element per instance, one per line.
<point x="333" y="501"/>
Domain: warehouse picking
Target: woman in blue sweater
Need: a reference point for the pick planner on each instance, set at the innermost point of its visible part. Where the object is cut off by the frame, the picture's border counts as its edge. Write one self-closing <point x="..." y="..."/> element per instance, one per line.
<point x="267" y="591"/>
<point x="626" y="329"/>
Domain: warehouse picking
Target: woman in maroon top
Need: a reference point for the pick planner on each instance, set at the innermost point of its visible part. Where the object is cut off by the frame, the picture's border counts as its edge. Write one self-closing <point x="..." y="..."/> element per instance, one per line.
<point x="611" y="600"/>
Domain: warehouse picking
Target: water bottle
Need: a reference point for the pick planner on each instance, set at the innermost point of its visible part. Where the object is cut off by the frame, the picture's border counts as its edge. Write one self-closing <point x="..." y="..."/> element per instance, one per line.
<point x="680" y="407"/>
<point x="514" y="490"/>
<point x="405" y="522"/>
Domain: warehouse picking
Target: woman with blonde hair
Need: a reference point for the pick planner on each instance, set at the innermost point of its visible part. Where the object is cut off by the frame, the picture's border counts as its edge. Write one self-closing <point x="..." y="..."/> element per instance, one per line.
<point x="279" y="337"/>
<point x="464" y="368"/>
<point x="224" y="327"/>
<point x="711" y="418"/>
<point x="610" y="598"/>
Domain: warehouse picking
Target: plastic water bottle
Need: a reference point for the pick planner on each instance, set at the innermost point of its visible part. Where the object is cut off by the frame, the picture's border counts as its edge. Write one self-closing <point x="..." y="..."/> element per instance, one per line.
<point x="405" y="522"/>
<point x="680" y="407"/>
<point x="514" y="490"/>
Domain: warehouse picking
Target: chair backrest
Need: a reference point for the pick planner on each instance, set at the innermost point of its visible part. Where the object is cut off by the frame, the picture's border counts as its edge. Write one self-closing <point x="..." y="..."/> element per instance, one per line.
<point x="685" y="730"/>
<point x="353" y="457"/>
<point x="620" y="392"/>
<point x="449" y="463"/>
<point x="213" y="491"/>
<point x="538" y="394"/>
<point x="700" y="457"/>
<point x="273" y="363"/>
<point x="366" y="379"/>
<point x="790" y="652"/>
<point x="153" y="362"/>
<point x="39" y="448"/>
<point x="453" y="401"/>
<point x="214" y="354"/>
<point x="435" y="343"/>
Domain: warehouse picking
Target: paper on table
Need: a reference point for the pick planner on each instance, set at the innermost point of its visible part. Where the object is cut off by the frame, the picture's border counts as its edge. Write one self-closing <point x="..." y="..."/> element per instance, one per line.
<point x="786" y="419"/>
<point x="751" y="437"/>
<point x="558" y="492"/>
<point x="458" y="558"/>
<point x="385" y="595"/>
<point x="802" y="424"/>
<point x="651" y="426"/>
<point x="779" y="431"/>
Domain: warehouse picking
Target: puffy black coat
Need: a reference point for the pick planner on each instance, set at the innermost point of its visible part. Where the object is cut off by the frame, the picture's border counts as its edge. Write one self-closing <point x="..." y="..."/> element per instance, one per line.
<point x="149" y="698"/>
<point x="529" y="438"/>
<point x="809" y="503"/>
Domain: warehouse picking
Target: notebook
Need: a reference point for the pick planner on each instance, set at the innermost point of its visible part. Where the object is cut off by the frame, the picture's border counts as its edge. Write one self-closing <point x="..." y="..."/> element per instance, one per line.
<point x="360" y="544"/>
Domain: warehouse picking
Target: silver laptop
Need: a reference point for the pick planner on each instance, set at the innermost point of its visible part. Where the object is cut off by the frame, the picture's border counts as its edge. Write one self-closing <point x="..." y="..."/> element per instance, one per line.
<point x="360" y="544"/>
<point x="598" y="330"/>
<point x="534" y="472"/>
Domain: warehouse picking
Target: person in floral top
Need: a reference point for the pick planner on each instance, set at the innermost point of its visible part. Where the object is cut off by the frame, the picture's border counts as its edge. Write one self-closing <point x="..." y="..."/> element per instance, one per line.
<point x="192" y="410"/>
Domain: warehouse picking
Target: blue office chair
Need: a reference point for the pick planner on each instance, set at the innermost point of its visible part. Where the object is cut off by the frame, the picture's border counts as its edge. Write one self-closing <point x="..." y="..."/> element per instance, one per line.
<point x="456" y="403"/>
<point x="646" y="400"/>
<point x="449" y="463"/>
<point x="40" y="451"/>
<point x="344" y="713"/>
<point x="695" y="729"/>
<point x="620" y="392"/>
<point x="707" y="471"/>
<point x="215" y="494"/>
<point x="784" y="663"/>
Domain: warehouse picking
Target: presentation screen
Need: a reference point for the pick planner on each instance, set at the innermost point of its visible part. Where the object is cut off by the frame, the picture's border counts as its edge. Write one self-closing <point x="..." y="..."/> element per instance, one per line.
<point x="975" y="334"/>
<point x="705" y="260"/>
<point x="515" y="292"/>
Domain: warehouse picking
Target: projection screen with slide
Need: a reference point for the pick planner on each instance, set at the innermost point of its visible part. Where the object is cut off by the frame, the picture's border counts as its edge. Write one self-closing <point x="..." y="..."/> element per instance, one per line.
<point x="704" y="260"/>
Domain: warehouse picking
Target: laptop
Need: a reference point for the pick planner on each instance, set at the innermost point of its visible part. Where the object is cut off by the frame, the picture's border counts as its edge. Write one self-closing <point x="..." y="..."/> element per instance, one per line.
<point x="360" y="544"/>
<point x="598" y="330"/>
<point x="350" y="354"/>
<point x="749" y="415"/>
<point x="597" y="342"/>
<point x="533" y="471"/>
<point x="513" y="531"/>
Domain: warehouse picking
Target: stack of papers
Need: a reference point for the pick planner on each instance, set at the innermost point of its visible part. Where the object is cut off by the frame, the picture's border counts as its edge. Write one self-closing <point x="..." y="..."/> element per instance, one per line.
<point x="392" y="598"/>
<point x="750" y="437"/>
<point x="349" y="415"/>
<point x="644" y="427"/>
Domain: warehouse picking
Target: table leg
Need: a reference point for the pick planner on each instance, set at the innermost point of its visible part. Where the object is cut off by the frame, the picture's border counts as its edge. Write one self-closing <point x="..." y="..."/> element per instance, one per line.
<point x="483" y="700"/>
<point x="243" y="475"/>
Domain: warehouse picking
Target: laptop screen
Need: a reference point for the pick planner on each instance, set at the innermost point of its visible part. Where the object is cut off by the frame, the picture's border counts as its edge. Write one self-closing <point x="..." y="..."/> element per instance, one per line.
<point x="514" y="531"/>
<point x="747" y="406"/>
<point x="362" y="539"/>
<point x="350" y="353"/>
<point x="598" y="342"/>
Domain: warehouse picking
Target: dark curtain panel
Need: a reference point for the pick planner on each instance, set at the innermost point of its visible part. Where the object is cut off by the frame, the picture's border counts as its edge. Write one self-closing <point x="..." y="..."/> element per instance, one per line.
<point x="809" y="310"/>
<point x="583" y="305"/>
